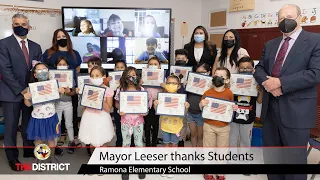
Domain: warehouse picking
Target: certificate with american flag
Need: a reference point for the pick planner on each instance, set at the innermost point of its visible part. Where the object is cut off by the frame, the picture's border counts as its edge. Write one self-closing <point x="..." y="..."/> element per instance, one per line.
<point x="82" y="80"/>
<point x="64" y="77"/>
<point x="171" y="104"/>
<point x="184" y="70"/>
<point x="243" y="84"/>
<point x="133" y="102"/>
<point x="93" y="96"/>
<point x="44" y="91"/>
<point x="198" y="83"/>
<point x="217" y="109"/>
<point x="115" y="82"/>
<point x="152" y="77"/>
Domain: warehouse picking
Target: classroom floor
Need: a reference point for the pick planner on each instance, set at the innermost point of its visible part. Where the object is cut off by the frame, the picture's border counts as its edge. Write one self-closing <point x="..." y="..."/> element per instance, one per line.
<point x="81" y="157"/>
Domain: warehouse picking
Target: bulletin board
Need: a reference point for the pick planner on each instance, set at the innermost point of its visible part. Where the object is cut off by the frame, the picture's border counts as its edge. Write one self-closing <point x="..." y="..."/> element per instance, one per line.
<point x="218" y="19"/>
<point x="216" y="39"/>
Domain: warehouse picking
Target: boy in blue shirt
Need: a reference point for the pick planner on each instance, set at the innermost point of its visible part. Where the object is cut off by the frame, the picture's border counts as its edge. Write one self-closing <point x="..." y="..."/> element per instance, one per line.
<point x="152" y="45"/>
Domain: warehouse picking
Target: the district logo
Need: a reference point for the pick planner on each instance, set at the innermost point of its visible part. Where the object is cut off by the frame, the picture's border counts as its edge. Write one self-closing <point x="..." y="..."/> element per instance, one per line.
<point x="42" y="152"/>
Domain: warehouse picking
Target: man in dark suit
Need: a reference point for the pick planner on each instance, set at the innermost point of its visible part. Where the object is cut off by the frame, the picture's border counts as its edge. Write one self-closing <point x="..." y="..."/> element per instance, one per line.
<point x="16" y="55"/>
<point x="289" y="71"/>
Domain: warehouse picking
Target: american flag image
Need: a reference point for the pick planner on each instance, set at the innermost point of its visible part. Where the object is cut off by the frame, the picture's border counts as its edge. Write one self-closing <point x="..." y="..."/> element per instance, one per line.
<point x="44" y="89"/>
<point x="117" y="77"/>
<point x="179" y="71"/>
<point x="199" y="83"/>
<point x="152" y="75"/>
<point x="171" y="102"/>
<point x="86" y="81"/>
<point x="93" y="95"/>
<point x="133" y="100"/>
<point x="60" y="77"/>
<point x="218" y="108"/>
<point x="243" y="83"/>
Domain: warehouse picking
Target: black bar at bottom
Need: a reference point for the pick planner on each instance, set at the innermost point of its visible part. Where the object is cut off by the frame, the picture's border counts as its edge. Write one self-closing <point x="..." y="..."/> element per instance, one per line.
<point x="202" y="169"/>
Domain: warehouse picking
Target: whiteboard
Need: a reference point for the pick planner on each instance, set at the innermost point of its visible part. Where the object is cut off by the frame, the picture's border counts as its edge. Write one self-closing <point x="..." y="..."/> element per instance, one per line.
<point x="43" y="27"/>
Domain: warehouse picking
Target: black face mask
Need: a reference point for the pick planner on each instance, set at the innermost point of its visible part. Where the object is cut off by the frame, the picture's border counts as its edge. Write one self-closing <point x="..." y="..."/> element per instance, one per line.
<point x="217" y="81"/>
<point x="62" y="42"/>
<point x="287" y="25"/>
<point x="229" y="43"/>
<point x="20" y="31"/>
<point x="181" y="63"/>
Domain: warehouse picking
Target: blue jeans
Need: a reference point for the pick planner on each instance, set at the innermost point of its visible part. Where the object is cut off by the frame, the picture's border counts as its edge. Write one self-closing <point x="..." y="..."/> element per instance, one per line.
<point x="197" y="118"/>
<point x="170" y="138"/>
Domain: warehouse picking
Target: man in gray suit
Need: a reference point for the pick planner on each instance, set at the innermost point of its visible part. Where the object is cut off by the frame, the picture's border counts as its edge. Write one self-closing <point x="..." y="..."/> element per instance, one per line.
<point x="289" y="71"/>
<point x="16" y="55"/>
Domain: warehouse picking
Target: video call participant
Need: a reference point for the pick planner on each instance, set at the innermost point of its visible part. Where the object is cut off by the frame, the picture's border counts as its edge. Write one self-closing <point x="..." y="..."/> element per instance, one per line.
<point x="150" y="28"/>
<point x="86" y="28"/>
<point x="152" y="45"/>
<point x="115" y="28"/>
<point x="91" y="53"/>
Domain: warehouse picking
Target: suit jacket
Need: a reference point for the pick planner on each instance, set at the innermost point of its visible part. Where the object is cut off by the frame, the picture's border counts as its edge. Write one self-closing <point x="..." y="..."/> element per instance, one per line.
<point x="299" y="78"/>
<point x="206" y="57"/>
<point x="14" y="71"/>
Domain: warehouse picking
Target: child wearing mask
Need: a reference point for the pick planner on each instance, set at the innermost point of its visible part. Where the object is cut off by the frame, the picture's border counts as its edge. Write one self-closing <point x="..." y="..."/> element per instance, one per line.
<point x="216" y="133"/>
<point x="242" y="123"/>
<point x="195" y="120"/>
<point x="152" y="120"/>
<point x="86" y="28"/>
<point x="152" y="45"/>
<point x="44" y="125"/>
<point x="64" y="106"/>
<point x="131" y="124"/>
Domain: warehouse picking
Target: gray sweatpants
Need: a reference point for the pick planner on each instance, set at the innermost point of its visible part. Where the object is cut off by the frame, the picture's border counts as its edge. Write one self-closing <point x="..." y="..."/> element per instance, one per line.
<point x="242" y="131"/>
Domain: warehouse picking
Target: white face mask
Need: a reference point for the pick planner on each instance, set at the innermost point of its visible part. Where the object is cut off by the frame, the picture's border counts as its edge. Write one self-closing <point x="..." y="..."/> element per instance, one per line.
<point x="96" y="82"/>
<point x="62" y="67"/>
<point x="153" y="67"/>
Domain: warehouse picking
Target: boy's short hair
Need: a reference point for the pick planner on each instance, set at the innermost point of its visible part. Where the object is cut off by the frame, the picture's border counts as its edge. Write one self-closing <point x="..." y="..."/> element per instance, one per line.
<point x="152" y="41"/>
<point x="95" y="60"/>
<point x="181" y="52"/>
<point x="154" y="58"/>
<point x="224" y="69"/>
<point x="245" y="59"/>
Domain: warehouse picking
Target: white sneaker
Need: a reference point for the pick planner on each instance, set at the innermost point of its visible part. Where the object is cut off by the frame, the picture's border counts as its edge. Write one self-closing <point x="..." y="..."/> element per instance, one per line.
<point x="170" y="176"/>
<point x="163" y="175"/>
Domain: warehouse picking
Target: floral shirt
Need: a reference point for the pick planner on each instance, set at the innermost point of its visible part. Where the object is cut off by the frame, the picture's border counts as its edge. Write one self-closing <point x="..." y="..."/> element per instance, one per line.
<point x="43" y="111"/>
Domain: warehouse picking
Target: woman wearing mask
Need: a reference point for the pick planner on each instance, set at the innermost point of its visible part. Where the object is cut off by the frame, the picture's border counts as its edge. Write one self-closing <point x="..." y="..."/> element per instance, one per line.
<point x="200" y="50"/>
<point x="62" y="46"/>
<point x="231" y="52"/>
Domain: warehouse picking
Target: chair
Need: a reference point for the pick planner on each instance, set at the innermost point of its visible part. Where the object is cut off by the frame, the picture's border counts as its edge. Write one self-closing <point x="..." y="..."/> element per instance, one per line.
<point x="313" y="144"/>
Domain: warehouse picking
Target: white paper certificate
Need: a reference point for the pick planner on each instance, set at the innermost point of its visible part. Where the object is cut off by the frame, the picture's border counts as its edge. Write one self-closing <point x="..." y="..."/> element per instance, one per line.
<point x="171" y="104"/>
<point x="152" y="77"/>
<point x="133" y="102"/>
<point x="220" y="110"/>
<point x="44" y="91"/>
<point x="64" y="77"/>
<point x="198" y="83"/>
<point x="184" y="70"/>
<point x="244" y="85"/>
<point x="115" y="82"/>
<point x="82" y="80"/>
<point x="93" y="96"/>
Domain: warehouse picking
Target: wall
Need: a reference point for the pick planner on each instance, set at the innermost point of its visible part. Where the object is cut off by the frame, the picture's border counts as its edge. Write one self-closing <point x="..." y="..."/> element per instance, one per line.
<point x="180" y="9"/>
<point x="261" y="6"/>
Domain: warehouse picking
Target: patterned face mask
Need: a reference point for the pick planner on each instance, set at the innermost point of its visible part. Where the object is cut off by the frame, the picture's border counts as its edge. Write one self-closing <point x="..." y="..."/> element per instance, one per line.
<point x="132" y="79"/>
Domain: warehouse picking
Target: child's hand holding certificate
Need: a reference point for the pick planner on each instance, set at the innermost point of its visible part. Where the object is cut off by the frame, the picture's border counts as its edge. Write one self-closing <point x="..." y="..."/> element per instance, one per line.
<point x="219" y="110"/>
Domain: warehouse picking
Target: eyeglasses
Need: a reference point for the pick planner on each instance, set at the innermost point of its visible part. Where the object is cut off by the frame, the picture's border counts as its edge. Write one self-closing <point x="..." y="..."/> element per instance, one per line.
<point x="246" y="69"/>
<point x="173" y="83"/>
<point x="41" y="70"/>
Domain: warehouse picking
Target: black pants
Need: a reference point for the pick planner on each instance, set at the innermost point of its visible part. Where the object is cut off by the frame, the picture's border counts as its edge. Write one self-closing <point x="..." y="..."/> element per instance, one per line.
<point x="117" y="121"/>
<point x="11" y="114"/>
<point x="151" y="127"/>
<point x="275" y="134"/>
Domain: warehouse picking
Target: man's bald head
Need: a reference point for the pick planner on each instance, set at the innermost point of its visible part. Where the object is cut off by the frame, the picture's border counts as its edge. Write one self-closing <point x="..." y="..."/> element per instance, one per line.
<point x="290" y="7"/>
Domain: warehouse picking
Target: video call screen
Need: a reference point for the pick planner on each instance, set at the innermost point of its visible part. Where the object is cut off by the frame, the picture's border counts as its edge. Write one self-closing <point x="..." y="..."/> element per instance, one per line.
<point x="132" y="35"/>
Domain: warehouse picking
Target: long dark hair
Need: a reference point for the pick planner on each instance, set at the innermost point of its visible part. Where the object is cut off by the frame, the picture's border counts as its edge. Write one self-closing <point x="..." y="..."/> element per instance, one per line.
<point x="33" y="71"/>
<point x="224" y="50"/>
<point x="59" y="59"/>
<point x="207" y="43"/>
<point x="55" y="46"/>
<point x="123" y="80"/>
<point x="205" y="66"/>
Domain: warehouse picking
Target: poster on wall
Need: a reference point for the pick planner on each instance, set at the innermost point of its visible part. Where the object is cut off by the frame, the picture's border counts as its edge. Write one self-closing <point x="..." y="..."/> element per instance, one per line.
<point x="265" y="20"/>
<point x="241" y="5"/>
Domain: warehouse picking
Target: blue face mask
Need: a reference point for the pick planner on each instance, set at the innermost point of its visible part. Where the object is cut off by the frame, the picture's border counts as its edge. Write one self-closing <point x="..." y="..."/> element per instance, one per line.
<point x="198" y="38"/>
<point x="43" y="76"/>
<point x="20" y="31"/>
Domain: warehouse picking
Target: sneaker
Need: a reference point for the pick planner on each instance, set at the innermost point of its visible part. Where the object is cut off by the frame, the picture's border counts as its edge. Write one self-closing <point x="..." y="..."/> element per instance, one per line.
<point x="125" y="176"/>
<point x="142" y="176"/>
<point x="71" y="147"/>
<point x="221" y="178"/>
<point x="58" y="151"/>
<point x="208" y="177"/>
<point x="170" y="176"/>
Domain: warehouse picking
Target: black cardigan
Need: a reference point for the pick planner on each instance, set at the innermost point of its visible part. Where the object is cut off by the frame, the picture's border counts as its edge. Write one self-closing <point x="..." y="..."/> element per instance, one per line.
<point x="206" y="57"/>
